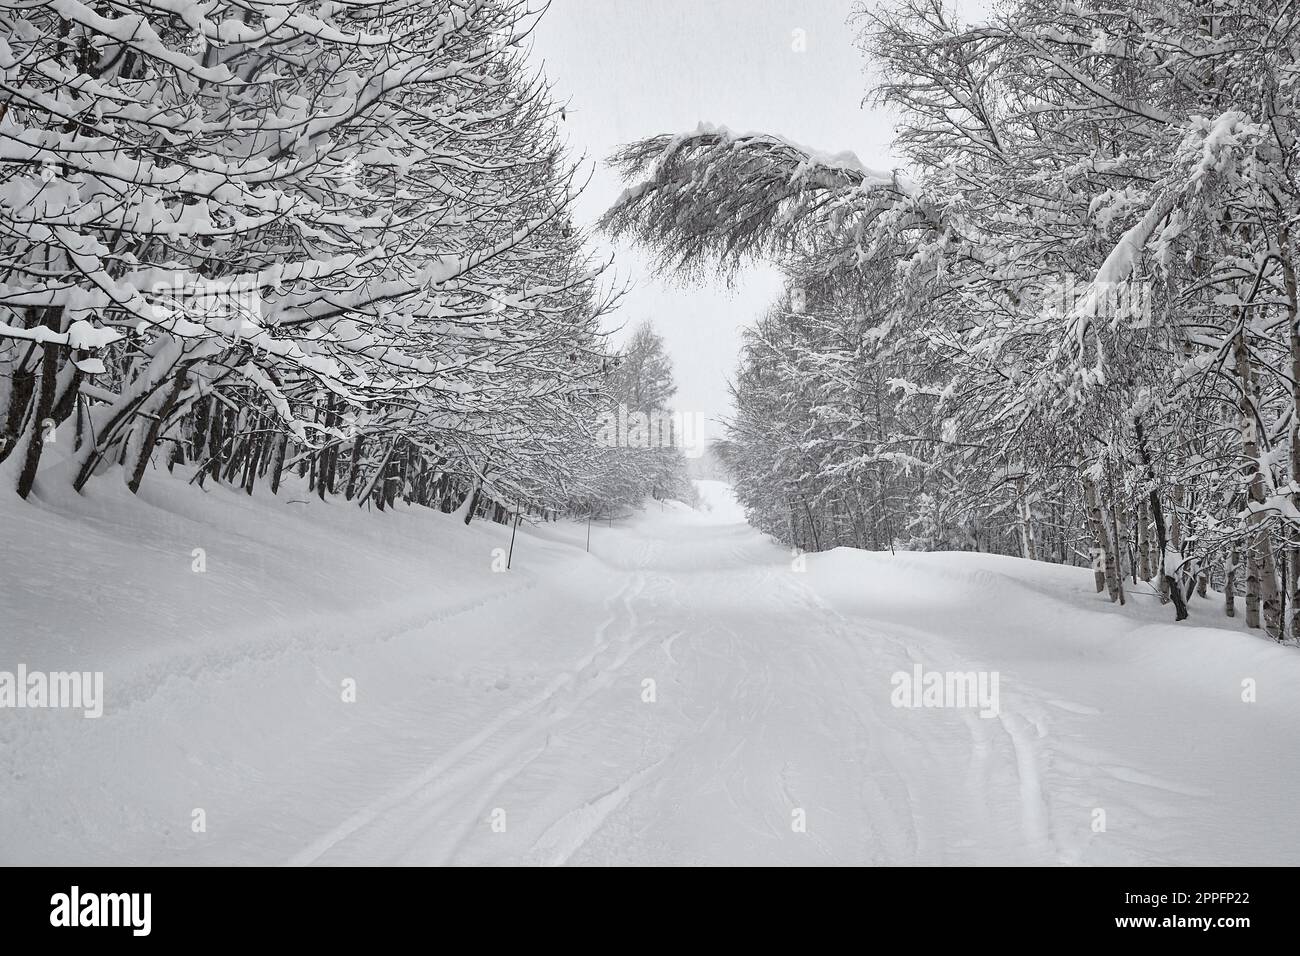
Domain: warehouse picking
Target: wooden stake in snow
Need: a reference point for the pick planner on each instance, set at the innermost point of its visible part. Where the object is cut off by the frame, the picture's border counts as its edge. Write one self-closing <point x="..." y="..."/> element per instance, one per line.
<point x="513" y="528"/>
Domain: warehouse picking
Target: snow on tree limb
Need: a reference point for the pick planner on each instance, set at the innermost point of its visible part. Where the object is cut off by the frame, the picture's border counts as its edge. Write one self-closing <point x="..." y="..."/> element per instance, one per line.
<point x="712" y="198"/>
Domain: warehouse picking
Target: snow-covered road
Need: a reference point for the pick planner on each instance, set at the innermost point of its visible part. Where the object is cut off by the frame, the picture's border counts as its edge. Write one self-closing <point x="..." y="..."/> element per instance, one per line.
<point x="760" y="705"/>
<point x="687" y="693"/>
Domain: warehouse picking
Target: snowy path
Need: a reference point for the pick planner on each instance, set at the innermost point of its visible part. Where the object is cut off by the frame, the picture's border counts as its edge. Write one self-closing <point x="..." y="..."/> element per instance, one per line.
<point x="741" y="730"/>
<point x="768" y="700"/>
<point x="524" y="706"/>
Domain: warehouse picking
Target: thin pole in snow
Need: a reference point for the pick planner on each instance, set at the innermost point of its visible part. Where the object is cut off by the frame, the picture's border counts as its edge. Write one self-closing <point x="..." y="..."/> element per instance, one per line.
<point x="588" y="531"/>
<point x="513" y="528"/>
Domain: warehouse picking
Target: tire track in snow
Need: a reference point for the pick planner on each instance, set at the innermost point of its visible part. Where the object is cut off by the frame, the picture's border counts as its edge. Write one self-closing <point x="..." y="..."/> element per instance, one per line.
<point x="901" y="833"/>
<point x="567" y="835"/>
<point x="1026" y="751"/>
<point x="496" y="753"/>
<point x="503" y="777"/>
<point x="1034" y="812"/>
<point x="447" y="771"/>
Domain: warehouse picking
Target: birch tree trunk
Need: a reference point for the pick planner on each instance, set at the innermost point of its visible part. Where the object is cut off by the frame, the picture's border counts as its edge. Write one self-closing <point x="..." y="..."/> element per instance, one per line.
<point x="1292" y="626"/>
<point x="1143" y="541"/>
<point x="1230" y="582"/>
<point x="1169" y="587"/>
<point x="1027" y="545"/>
<point x="1261" y="580"/>
<point x="1104" y="563"/>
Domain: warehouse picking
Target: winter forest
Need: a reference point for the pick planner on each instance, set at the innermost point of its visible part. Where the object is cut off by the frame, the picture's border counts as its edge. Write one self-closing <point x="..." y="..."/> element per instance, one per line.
<point x="324" y="240"/>
<point x="324" y="386"/>
<point x="1069" y="333"/>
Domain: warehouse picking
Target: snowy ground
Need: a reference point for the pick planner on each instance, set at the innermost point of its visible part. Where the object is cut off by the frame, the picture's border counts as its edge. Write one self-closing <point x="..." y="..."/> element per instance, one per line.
<point x="480" y="692"/>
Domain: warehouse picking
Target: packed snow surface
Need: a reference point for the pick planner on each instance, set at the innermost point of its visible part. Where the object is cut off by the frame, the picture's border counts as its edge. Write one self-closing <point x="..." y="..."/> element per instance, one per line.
<point x="506" y="716"/>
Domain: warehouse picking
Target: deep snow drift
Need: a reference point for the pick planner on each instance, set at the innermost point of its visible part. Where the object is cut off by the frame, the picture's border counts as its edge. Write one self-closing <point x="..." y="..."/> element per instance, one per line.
<point x="505" y="717"/>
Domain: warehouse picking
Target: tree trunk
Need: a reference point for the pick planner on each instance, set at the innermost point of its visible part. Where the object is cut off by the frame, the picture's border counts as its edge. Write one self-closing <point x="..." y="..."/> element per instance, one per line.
<point x="1230" y="583"/>
<point x="1261" y="579"/>
<point x="256" y="444"/>
<point x="1027" y="548"/>
<point x="1292" y="626"/>
<point x="151" y="435"/>
<point x="1123" y="535"/>
<point x="375" y="487"/>
<point x="399" y="480"/>
<point x="1169" y="584"/>
<point x="1143" y="541"/>
<point x="22" y="386"/>
<point x="36" y="428"/>
<point x="1104" y="564"/>
<point x="277" y="461"/>
<point x="216" y="438"/>
<point x="354" y="465"/>
<point x="471" y="501"/>
<point x="199" y="434"/>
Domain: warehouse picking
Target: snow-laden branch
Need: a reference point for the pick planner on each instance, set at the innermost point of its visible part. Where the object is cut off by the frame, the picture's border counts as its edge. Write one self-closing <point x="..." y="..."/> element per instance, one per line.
<point x="713" y="198"/>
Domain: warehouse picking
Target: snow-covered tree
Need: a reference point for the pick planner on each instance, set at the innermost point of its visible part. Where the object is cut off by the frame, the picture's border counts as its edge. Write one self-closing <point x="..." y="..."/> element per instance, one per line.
<point x="260" y="239"/>
<point x="1067" y="332"/>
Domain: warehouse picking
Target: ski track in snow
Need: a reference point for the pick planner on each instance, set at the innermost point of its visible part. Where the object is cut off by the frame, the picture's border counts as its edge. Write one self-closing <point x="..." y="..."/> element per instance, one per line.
<point x="772" y="700"/>
<point x="501" y="750"/>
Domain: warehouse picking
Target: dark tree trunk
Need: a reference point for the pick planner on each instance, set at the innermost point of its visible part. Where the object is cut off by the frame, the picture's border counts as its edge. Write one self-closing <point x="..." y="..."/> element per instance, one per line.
<point x="199" y="436"/>
<point x="21" y="388"/>
<point x="216" y="438"/>
<point x="277" y="462"/>
<point x="44" y="406"/>
<point x="254" y="460"/>
<point x="151" y="436"/>
<point x="354" y="465"/>
<point x="329" y="459"/>
<point x="1158" y="520"/>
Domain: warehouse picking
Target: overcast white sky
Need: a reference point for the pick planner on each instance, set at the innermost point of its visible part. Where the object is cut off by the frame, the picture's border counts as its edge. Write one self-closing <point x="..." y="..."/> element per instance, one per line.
<point x="633" y="68"/>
